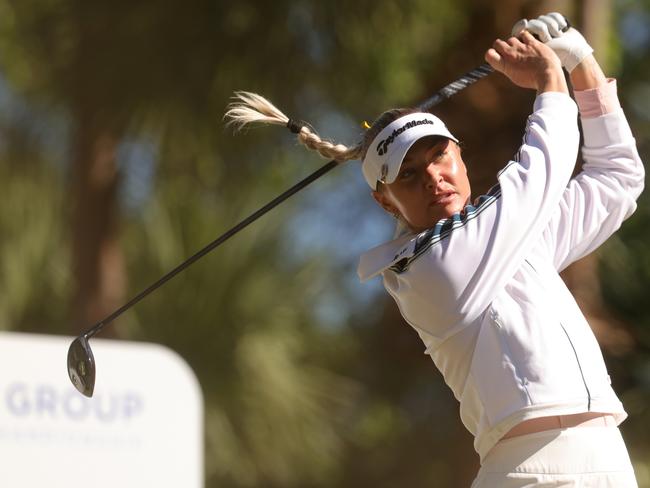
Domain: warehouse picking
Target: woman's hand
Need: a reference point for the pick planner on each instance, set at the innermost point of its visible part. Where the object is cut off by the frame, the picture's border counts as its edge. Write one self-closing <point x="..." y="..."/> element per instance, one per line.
<point x="571" y="47"/>
<point x="528" y="63"/>
<point x="553" y="29"/>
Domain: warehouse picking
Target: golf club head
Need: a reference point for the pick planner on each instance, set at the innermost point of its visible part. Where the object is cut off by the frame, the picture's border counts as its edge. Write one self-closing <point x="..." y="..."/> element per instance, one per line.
<point x="81" y="366"/>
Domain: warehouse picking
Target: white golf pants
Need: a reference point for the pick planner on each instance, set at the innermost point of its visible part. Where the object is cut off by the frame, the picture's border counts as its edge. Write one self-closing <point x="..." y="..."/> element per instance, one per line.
<point x="582" y="457"/>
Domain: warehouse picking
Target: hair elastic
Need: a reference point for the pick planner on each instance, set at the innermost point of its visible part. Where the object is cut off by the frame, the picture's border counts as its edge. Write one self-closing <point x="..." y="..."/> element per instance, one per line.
<point x="295" y="126"/>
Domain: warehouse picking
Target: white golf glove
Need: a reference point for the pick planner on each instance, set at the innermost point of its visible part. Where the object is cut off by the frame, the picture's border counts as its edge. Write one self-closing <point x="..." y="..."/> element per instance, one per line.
<point x="554" y="30"/>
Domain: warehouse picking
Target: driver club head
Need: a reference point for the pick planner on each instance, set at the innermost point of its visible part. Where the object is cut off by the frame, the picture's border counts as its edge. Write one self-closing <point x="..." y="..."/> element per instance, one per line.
<point x="81" y="366"/>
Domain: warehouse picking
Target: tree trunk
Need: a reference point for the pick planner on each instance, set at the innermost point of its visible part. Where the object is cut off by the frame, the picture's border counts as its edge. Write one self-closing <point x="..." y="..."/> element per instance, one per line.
<point x="97" y="261"/>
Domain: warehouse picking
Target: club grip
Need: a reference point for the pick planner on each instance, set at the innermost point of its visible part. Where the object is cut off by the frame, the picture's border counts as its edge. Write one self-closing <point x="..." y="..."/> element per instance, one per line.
<point x="455" y="86"/>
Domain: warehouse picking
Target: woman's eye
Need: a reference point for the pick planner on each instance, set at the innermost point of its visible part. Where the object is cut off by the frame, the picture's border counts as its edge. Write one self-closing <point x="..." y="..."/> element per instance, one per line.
<point x="405" y="174"/>
<point x="439" y="154"/>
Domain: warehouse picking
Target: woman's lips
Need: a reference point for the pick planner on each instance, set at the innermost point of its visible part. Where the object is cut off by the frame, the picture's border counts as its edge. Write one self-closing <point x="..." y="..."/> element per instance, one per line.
<point x="443" y="198"/>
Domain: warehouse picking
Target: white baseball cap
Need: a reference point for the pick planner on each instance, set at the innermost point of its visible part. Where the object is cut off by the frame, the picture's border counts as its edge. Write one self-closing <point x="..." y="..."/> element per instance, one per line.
<point x="386" y="152"/>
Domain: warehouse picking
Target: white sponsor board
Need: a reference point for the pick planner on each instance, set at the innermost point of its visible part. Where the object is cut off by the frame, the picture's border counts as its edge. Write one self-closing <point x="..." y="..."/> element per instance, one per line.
<point x="143" y="427"/>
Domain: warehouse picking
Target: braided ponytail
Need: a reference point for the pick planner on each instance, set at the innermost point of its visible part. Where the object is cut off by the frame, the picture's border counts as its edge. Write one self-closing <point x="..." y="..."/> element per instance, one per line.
<point x="250" y="107"/>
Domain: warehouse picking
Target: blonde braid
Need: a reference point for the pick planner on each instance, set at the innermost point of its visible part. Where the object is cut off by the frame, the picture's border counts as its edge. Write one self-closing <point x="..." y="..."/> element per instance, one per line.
<point x="327" y="149"/>
<point x="251" y="107"/>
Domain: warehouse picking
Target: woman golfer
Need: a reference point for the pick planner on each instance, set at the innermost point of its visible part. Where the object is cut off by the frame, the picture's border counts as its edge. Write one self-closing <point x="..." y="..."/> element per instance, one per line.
<point x="478" y="279"/>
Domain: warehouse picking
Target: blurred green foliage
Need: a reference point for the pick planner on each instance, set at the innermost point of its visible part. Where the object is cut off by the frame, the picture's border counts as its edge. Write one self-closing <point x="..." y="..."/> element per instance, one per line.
<point x="309" y="378"/>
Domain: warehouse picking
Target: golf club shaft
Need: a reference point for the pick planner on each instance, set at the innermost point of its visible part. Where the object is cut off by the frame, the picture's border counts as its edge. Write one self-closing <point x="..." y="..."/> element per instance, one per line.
<point x="444" y="93"/>
<point x="218" y="241"/>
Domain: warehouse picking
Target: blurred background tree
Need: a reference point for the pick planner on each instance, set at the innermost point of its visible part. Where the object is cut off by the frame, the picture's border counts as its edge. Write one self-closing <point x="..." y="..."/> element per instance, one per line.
<point x="115" y="166"/>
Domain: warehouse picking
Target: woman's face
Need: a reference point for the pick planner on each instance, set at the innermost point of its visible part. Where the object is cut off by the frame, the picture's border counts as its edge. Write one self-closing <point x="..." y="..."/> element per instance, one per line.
<point x="432" y="184"/>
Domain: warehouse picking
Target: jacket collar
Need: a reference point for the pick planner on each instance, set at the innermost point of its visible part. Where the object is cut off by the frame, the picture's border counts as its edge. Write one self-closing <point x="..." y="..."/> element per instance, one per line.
<point x="377" y="259"/>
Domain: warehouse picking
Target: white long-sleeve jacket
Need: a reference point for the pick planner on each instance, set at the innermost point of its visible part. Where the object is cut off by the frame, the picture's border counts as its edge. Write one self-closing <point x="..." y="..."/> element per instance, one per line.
<point x="482" y="288"/>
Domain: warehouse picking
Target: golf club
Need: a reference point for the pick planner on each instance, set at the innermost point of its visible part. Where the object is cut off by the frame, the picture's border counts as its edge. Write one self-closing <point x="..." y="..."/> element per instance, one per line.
<point x="81" y="361"/>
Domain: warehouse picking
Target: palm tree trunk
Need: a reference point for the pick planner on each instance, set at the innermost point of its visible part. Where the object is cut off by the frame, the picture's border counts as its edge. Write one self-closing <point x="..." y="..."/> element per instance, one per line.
<point x="97" y="260"/>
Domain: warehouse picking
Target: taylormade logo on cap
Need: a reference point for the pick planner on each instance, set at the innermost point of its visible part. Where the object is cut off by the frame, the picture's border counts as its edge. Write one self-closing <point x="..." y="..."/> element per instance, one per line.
<point x="382" y="147"/>
<point x="386" y="152"/>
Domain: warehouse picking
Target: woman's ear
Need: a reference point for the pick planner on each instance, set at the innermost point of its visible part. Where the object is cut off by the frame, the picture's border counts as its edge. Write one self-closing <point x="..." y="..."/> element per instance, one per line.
<point x="383" y="201"/>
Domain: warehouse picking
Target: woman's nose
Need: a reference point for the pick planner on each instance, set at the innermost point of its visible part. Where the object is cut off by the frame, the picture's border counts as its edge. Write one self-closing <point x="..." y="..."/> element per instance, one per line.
<point x="432" y="175"/>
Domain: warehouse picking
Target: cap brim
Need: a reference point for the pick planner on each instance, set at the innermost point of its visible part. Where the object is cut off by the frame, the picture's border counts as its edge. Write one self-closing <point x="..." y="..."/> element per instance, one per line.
<point x="388" y="149"/>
